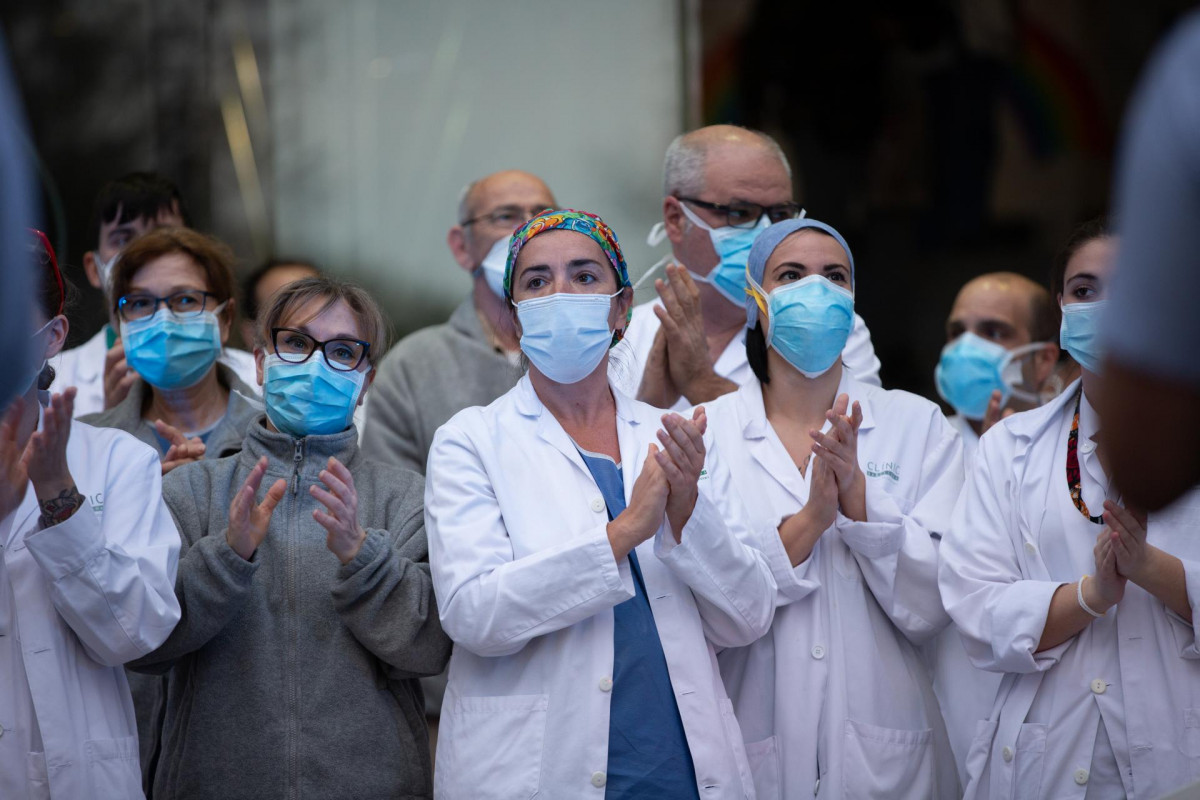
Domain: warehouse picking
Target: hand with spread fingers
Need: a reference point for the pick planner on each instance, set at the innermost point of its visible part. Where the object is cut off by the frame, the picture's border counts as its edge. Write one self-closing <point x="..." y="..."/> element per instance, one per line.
<point x="340" y="518"/>
<point x="15" y="478"/>
<point x="682" y="320"/>
<point x="839" y="448"/>
<point x="657" y="388"/>
<point x="182" y="450"/>
<point x="249" y="521"/>
<point x="642" y="518"/>
<point x="682" y="461"/>
<point x="119" y="377"/>
<point x="46" y="461"/>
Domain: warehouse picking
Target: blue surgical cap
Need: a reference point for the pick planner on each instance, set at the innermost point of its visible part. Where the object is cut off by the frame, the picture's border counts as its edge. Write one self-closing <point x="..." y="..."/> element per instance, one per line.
<point x="765" y="245"/>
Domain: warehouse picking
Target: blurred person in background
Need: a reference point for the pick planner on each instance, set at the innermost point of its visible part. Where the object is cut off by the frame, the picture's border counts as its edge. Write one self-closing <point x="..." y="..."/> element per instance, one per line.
<point x="126" y="209"/>
<point x="17" y="201"/>
<point x="259" y="286"/>
<point x="309" y="610"/>
<point x="1000" y="354"/>
<point x="88" y="554"/>
<point x="722" y="185"/>
<point x="1152" y="331"/>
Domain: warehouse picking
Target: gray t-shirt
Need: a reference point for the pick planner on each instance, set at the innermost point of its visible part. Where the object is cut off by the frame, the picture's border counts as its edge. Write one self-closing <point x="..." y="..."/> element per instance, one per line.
<point x="1152" y="322"/>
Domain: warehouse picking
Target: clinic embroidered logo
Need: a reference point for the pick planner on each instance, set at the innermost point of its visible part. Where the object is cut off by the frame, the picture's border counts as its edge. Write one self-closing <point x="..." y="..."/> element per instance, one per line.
<point x="703" y="474"/>
<point x="96" y="501"/>
<point x="887" y="469"/>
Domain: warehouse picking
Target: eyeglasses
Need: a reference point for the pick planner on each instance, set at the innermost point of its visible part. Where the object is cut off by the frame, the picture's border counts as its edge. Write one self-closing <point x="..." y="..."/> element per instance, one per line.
<point x="133" y="307"/>
<point x="296" y="347"/>
<point x="509" y="217"/>
<point x="747" y="215"/>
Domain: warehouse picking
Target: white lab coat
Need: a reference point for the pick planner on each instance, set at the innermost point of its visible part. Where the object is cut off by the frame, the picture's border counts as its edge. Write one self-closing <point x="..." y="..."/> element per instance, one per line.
<point x="526" y="583"/>
<point x="1015" y="538"/>
<point x="76" y="602"/>
<point x="965" y="692"/>
<point x="838" y="684"/>
<point x="83" y="368"/>
<point x="858" y="355"/>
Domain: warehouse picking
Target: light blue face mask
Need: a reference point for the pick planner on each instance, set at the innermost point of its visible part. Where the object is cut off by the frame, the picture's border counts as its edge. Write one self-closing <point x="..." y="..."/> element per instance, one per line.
<point x="733" y="248"/>
<point x="493" y="263"/>
<point x="566" y="335"/>
<point x="971" y="368"/>
<point x="171" y="352"/>
<point x="808" y="323"/>
<point x="1079" y="334"/>
<point x="312" y="398"/>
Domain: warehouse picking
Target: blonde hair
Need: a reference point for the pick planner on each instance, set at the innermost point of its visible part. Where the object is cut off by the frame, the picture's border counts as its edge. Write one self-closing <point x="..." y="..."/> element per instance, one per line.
<point x="294" y="296"/>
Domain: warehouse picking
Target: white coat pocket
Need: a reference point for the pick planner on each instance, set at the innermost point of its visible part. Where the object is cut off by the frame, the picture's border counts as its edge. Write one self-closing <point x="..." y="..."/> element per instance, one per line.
<point x="1029" y="761"/>
<point x="887" y="763"/>
<point x="763" y="758"/>
<point x="493" y="745"/>
<point x="981" y="748"/>
<point x="113" y="767"/>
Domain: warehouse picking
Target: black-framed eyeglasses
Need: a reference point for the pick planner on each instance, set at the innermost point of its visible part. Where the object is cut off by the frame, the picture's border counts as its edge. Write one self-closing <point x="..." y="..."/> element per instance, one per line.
<point x="746" y="215"/>
<point x="132" y="307"/>
<point x="296" y="347"/>
<point x="509" y="217"/>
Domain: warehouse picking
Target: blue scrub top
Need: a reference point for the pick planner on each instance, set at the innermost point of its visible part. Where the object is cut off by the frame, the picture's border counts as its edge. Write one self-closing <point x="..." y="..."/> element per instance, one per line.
<point x="648" y="753"/>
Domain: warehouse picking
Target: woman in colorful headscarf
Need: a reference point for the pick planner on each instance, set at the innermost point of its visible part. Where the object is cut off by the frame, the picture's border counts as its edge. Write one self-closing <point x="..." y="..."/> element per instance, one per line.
<point x="849" y="486"/>
<point x="580" y="563"/>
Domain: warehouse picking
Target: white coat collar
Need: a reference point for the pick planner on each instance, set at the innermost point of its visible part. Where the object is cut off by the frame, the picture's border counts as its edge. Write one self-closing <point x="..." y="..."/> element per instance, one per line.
<point x="754" y="414"/>
<point x="530" y="405"/>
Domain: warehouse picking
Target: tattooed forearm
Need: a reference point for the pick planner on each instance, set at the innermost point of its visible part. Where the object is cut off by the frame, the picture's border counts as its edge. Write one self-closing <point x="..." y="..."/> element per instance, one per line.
<point x="59" y="509"/>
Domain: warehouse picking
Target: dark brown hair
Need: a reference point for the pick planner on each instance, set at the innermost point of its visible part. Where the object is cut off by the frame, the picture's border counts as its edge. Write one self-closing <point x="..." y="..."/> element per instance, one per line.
<point x="214" y="259"/>
<point x="1095" y="228"/>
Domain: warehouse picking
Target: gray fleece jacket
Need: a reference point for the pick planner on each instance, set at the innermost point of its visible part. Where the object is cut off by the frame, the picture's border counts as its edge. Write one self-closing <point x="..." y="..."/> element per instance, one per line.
<point x="293" y="676"/>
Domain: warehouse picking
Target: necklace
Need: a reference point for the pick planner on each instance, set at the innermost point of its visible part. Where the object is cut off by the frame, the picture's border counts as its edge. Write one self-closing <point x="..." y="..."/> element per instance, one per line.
<point x="1073" y="465"/>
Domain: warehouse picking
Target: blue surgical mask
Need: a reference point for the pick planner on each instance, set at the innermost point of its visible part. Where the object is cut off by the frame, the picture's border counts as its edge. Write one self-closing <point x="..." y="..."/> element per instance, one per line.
<point x="808" y="323"/>
<point x="733" y="248"/>
<point x="493" y="263"/>
<point x="172" y="352"/>
<point x="566" y="335"/>
<point x="1080" y="333"/>
<point x="971" y="368"/>
<point x="311" y="398"/>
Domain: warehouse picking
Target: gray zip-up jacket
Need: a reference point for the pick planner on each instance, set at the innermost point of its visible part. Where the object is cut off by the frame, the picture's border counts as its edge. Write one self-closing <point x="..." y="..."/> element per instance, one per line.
<point x="295" y="676"/>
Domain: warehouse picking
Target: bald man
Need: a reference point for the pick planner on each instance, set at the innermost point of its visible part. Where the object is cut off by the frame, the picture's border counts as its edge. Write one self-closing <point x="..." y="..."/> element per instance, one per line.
<point x="721" y="185"/>
<point x="1008" y="361"/>
<point x="471" y="359"/>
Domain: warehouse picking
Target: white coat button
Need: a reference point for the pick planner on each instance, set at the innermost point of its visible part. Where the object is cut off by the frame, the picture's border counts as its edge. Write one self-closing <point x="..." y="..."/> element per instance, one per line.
<point x="1007" y="753"/>
<point x="597" y="504"/>
<point x="818" y="652"/>
<point x="1099" y="686"/>
<point x="1081" y="776"/>
<point x="606" y="684"/>
<point x="599" y="779"/>
<point x="1030" y="548"/>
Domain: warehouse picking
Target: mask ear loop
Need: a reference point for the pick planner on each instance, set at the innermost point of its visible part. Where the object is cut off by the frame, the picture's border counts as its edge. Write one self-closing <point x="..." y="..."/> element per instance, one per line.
<point x="653" y="269"/>
<point x="1013" y="390"/>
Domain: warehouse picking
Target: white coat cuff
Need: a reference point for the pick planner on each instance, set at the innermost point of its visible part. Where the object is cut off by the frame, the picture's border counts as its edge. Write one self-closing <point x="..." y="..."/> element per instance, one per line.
<point x="704" y="520"/>
<point x="794" y="583"/>
<point x="1018" y="623"/>
<point x="1191" y="577"/>
<point x="883" y="532"/>
<point x="67" y="547"/>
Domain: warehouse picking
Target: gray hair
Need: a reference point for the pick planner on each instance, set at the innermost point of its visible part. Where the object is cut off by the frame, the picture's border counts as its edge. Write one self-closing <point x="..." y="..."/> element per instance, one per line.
<point x="683" y="167"/>
<point x="464" y="198"/>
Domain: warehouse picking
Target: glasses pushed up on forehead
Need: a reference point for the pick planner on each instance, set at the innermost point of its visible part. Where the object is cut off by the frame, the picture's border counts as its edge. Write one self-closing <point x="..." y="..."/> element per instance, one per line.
<point x="132" y="307"/>
<point x="296" y="347"/>
<point x="740" y="214"/>
<point x="508" y="217"/>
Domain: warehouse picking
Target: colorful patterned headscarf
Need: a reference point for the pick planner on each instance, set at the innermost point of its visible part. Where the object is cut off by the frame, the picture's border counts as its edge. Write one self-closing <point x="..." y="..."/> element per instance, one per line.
<point x="570" y="220"/>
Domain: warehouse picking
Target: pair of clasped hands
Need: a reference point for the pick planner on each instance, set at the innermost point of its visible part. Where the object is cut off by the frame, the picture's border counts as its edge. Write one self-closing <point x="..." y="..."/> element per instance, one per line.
<point x="1121" y="555"/>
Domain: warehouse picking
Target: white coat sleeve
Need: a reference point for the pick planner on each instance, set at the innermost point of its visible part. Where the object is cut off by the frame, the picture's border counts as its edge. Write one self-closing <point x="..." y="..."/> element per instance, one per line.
<point x="719" y="559"/>
<point x="858" y="355"/>
<point x="1191" y="577"/>
<point x="896" y="551"/>
<point x="490" y="602"/>
<point x="999" y="611"/>
<point x="112" y="578"/>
